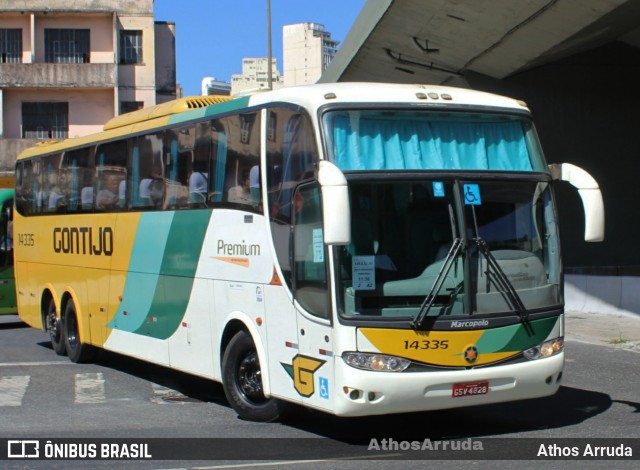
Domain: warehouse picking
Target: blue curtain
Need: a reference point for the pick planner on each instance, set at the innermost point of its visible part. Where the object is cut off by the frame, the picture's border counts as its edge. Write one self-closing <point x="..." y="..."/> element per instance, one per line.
<point x="74" y="196"/>
<point x="379" y="144"/>
<point x="37" y="200"/>
<point x="172" y="190"/>
<point x="221" y="163"/>
<point x="135" y="175"/>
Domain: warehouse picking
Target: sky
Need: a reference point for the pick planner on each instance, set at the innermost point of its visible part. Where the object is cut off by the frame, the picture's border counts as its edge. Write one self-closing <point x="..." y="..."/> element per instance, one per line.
<point x="213" y="36"/>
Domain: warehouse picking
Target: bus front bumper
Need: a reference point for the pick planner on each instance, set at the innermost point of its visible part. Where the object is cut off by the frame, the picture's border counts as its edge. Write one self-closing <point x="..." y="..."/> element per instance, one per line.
<point x="360" y="393"/>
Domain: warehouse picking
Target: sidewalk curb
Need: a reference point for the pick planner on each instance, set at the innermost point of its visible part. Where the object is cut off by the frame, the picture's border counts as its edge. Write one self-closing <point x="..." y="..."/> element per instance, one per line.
<point x="614" y="330"/>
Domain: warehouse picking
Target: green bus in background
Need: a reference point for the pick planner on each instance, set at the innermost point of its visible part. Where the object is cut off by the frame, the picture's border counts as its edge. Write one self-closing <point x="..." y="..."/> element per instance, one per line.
<point x="7" y="283"/>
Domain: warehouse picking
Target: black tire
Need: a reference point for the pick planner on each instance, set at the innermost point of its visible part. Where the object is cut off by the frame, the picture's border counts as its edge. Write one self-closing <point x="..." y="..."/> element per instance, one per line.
<point x="76" y="349"/>
<point x="56" y="331"/>
<point x="242" y="381"/>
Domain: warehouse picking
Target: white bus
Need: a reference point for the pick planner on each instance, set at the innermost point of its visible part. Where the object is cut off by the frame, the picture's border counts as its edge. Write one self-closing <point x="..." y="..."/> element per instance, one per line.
<point x="356" y="248"/>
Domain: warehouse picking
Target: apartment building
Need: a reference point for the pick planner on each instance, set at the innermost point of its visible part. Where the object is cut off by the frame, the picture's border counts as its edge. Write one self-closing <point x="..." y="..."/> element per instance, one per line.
<point x="307" y="50"/>
<point x="68" y="67"/>
<point x="212" y="86"/>
<point x="255" y="76"/>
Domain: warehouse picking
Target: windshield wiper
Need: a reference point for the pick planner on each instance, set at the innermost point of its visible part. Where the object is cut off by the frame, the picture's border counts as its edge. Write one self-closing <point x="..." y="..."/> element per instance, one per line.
<point x="437" y="284"/>
<point x="447" y="264"/>
<point x="501" y="281"/>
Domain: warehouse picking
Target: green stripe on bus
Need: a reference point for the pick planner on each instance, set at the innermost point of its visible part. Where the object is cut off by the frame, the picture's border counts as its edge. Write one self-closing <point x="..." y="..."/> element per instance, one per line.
<point x="163" y="263"/>
<point x="227" y="106"/>
<point x="220" y="108"/>
<point x="179" y="264"/>
<point x="145" y="265"/>
<point x="516" y="337"/>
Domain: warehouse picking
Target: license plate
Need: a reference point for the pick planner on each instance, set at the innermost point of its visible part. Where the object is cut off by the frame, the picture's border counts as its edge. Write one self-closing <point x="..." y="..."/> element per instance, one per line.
<point x="469" y="389"/>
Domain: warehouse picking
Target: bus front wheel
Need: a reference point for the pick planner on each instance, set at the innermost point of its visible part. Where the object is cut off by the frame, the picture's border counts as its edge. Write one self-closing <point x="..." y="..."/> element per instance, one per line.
<point x="242" y="381"/>
<point x="76" y="349"/>
<point x="56" y="333"/>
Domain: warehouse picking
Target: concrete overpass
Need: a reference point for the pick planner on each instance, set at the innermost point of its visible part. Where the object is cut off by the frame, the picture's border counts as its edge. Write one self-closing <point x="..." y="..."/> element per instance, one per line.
<point x="575" y="62"/>
<point x="443" y="41"/>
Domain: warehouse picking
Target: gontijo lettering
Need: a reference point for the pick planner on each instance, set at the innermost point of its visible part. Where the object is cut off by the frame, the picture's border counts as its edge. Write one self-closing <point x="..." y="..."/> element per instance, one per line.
<point x="83" y="240"/>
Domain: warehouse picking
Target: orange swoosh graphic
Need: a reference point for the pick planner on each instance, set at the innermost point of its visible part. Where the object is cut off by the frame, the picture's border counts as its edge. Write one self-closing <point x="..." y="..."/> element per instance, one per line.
<point x="243" y="262"/>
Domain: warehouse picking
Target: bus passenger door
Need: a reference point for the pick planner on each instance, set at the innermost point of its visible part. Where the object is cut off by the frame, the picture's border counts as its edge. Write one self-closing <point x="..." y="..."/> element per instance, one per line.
<point x="313" y="366"/>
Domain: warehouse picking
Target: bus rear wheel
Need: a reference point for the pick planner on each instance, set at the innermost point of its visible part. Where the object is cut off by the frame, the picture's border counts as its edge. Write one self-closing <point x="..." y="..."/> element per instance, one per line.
<point x="76" y="349"/>
<point x="56" y="333"/>
<point x="242" y="381"/>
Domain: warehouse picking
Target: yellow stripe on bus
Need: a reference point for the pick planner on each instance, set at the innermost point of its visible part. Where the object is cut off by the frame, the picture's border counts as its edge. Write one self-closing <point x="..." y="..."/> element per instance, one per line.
<point x="442" y="348"/>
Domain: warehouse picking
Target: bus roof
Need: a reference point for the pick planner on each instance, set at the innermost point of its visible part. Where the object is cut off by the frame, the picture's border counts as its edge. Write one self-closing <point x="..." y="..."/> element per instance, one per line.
<point x="314" y="96"/>
<point x="165" y="109"/>
<point x="136" y="121"/>
<point x="308" y="96"/>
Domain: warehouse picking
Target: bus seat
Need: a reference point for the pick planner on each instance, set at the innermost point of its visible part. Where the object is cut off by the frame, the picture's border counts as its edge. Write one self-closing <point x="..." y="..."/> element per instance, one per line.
<point x="144" y="199"/>
<point x="198" y="186"/>
<point x="55" y="200"/>
<point x="442" y="241"/>
<point x="86" y="198"/>
<point x="122" y="193"/>
<point x="197" y="198"/>
<point x="523" y="269"/>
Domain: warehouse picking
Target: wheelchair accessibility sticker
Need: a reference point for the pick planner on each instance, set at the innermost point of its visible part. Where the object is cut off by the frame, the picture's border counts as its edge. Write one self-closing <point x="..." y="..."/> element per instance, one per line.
<point x="324" y="387"/>
<point x="472" y="195"/>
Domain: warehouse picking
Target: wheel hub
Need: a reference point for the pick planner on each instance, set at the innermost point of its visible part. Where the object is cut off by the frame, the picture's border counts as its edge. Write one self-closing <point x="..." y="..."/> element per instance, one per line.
<point x="249" y="378"/>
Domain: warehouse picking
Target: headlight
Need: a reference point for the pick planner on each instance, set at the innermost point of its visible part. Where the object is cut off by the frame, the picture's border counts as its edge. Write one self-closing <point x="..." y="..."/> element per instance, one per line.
<point x="379" y="362"/>
<point x="546" y="349"/>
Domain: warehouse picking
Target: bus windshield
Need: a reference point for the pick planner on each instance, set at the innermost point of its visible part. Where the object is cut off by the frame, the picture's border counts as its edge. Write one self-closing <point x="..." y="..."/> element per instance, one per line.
<point x="401" y="251"/>
<point x="429" y="140"/>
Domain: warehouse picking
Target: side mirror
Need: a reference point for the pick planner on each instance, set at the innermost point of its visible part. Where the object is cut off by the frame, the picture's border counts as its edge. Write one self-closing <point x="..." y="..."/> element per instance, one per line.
<point x="589" y="193"/>
<point x="336" y="209"/>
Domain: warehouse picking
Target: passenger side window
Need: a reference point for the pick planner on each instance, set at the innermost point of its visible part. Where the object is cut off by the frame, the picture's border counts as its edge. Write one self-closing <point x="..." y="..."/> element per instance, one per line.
<point x="291" y="159"/>
<point x="309" y="254"/>
<point x="111" y="176"/>
<point x="200" y="166"/>
<point x="236" y="165"/>
<point x="179" y="150"/>
<point x="291" y="155"/>
<point x="26" y="181"/>
<point x="147" y="172"/>
<point x="51" y="196"/>
<point x="79" y="171"/>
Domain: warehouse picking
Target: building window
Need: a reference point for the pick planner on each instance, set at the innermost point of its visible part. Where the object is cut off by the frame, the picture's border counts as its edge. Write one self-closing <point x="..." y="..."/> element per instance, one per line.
<point x="66" y="46"/>
<point x="10" y="46"/>
<point x="131" y="47"/>
<point x="128" y="106"/>
<point x="45" y="120"/>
